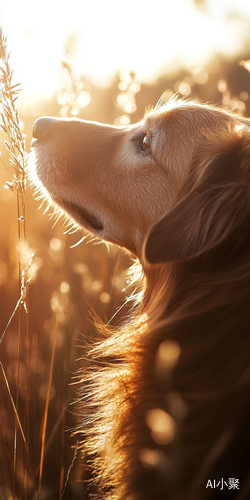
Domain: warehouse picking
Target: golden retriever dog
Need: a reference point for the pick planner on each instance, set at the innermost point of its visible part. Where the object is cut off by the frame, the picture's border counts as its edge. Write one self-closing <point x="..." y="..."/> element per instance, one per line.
<point x="165" y="404"/>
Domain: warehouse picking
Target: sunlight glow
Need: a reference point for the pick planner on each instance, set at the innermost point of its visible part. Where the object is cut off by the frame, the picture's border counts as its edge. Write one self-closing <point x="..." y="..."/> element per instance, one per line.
<point x="101" y="37"/>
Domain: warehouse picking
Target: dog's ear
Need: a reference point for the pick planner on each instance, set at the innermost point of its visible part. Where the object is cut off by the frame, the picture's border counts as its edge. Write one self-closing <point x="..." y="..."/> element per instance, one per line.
<point x="213" y="204"/>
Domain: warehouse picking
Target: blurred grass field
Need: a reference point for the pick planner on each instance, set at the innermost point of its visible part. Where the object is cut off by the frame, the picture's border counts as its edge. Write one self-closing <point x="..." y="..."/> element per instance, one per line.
<point x="41" y="351"/>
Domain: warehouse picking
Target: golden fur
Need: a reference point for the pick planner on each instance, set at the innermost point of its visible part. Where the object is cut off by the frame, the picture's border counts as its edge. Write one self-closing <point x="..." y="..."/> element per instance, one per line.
<point x="165" y="404"/>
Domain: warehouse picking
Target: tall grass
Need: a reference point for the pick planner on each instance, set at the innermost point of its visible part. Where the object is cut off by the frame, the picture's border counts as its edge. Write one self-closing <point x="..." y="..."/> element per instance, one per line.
<point x="15" y="144"/>
<point x="21" y="479"/>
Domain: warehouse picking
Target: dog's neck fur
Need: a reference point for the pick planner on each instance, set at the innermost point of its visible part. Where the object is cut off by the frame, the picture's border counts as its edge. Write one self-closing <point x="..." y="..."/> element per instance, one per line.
<point x="204" y="316"/>
<point x="199" y="305"/>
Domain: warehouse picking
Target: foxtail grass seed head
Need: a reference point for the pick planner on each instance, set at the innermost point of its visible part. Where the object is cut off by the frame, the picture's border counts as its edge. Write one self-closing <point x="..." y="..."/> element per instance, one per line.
<point x="15" y="145"/>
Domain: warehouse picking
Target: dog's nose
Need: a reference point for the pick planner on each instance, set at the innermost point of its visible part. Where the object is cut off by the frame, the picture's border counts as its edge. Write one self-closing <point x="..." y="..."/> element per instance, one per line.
<point x="43" y="126"/>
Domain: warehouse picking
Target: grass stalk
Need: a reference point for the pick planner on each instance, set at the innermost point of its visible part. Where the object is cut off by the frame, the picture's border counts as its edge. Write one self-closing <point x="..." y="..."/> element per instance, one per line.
<point x="45" y="418"/>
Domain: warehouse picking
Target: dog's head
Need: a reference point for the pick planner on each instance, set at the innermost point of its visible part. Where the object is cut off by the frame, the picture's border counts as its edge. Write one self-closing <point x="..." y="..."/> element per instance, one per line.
<point x="118" y="182"/>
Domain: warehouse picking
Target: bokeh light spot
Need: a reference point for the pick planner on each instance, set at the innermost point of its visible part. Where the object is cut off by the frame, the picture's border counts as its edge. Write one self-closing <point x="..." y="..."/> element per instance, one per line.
<point x="83" y="99"/>
<point x="184" y="88"/>
<point x="105" y="297"/>
<point x="151" y="458"/>
<point x="162" y="426"/>
<point x="122" y="120"/>
<point x="244" y="96"/>
<point x="43" y="391"/>
<point x="64" y="287"/>
<point x="55" y="244"/>
<point x="200" y="75"/>
<point x="222" y="86"/>
<point x="167" y="356"/>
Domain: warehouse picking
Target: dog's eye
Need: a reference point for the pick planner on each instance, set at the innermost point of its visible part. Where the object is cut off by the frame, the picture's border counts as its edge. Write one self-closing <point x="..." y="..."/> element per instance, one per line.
<point x="145" y="142"/>
<point x="142" y="141"/>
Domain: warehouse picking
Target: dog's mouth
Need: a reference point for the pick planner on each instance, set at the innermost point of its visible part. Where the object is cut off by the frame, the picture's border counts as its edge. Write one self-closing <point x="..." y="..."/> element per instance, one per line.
<point x="81" y="215"/>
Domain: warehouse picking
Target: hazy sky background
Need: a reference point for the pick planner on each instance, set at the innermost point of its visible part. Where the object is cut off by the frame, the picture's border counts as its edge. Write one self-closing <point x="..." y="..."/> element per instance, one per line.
<point x="148" y="36"/>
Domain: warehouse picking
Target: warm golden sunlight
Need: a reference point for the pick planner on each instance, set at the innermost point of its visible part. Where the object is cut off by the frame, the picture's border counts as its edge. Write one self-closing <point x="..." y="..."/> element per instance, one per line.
<point x="117" y="102"/>
<point x="101" y="37"/>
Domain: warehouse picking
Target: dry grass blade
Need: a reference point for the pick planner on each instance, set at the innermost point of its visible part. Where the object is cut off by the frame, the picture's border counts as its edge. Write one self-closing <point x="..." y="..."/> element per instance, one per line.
<point x="74" y="94"/>
<point x="23" y="293"/>
<point x="14" y="407"/>
<point x="10" y="123"/>
<point x="70" y="469"/>
<point x="15" y="144"/>
<point x="47" y="408"/>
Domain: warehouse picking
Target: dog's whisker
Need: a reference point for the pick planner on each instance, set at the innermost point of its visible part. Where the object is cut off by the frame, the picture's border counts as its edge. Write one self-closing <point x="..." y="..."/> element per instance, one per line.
<point x="79" y="242"/>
